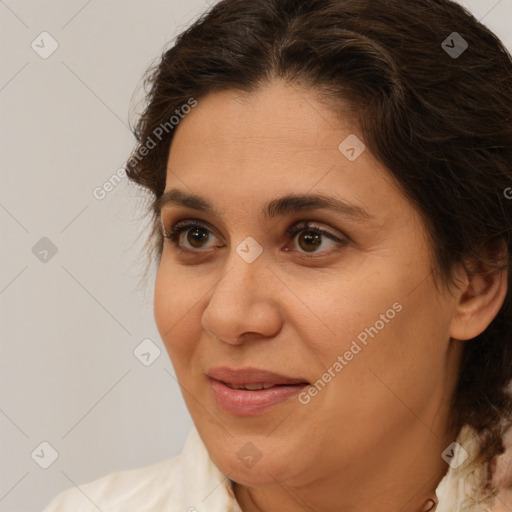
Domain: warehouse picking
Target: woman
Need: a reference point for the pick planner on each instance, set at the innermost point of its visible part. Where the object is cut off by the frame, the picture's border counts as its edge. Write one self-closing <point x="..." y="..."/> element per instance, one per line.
<point x="330" y="184"/>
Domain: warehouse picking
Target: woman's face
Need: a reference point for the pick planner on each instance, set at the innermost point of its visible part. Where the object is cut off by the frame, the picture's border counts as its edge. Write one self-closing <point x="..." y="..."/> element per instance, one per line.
<point x="347" y="304"/>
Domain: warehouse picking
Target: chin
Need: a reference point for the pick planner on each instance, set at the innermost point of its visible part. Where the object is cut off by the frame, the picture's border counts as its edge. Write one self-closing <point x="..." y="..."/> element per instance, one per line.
<point x="249" y="466"/>
<point x="259" y="475"/>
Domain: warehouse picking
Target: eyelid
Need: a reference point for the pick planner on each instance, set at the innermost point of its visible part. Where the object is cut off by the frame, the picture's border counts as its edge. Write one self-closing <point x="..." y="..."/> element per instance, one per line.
<point x="307" y="225"/>
<point x="304" y="225"/>
<point x="179" y="227"/>
<point x="293" y="229"/>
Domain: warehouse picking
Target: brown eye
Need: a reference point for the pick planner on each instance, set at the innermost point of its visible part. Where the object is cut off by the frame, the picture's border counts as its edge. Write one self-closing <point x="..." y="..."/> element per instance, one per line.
<point x="196" y="236"/>
<point x="310" y="240"/>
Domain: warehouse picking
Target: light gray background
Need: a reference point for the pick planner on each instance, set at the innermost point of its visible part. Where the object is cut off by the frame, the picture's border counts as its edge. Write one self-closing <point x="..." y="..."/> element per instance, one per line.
<point x="69" y="326"/>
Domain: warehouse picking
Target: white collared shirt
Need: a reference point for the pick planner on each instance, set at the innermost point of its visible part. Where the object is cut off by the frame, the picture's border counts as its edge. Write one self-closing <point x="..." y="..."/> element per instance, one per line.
<point x="190" y="482"/>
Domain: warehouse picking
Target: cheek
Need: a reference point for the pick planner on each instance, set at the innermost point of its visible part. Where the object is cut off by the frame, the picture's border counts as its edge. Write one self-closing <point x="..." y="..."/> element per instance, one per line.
<point x="175" y="309"/>
<point x="342" y="307"/>
<point x="376" y="324"/>
<point x="397" y="368"/>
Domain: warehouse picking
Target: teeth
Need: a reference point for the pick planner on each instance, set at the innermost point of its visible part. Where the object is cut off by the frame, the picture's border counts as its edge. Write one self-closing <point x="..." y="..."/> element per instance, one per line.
<point x="254" y="387"/>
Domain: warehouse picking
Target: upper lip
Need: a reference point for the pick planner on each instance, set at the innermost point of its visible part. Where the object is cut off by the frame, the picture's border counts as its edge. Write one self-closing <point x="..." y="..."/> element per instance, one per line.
<point x="250" y="376"/>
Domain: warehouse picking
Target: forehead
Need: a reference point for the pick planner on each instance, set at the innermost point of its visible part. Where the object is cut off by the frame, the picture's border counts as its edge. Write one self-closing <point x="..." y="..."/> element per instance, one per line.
<point x="274" y="141"/>
<point x="290" y="118"/>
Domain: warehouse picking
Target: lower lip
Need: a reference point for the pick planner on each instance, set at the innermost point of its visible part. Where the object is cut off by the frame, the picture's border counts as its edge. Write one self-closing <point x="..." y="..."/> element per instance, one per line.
<point x="251" y="403"/>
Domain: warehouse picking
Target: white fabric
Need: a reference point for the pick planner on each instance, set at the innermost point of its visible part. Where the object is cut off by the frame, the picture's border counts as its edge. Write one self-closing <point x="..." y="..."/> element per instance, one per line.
<point x="190" y="482"/>
<point x="462" y="488"/>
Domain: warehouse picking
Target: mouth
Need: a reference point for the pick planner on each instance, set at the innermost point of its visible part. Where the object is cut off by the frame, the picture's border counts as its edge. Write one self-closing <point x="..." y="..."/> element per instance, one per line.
<point x="251" y="391"/>
<point x="254" y="387"/>
<point x="252" y="378"/>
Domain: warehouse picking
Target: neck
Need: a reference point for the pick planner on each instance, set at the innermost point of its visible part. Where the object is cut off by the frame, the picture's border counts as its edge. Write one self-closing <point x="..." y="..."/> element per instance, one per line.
<point x="247" y="503"/>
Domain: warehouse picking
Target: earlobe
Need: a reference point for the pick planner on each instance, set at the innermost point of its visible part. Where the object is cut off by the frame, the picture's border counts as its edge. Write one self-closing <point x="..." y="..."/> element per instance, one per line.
<point x="479" y="301"/>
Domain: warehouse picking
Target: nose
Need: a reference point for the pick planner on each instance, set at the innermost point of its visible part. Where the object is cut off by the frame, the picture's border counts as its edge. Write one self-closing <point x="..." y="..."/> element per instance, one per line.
<point x="244" y="304"/>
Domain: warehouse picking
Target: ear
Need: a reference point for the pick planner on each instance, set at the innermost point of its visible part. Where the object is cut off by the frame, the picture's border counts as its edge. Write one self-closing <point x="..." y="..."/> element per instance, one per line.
<point x="479" y="301"/>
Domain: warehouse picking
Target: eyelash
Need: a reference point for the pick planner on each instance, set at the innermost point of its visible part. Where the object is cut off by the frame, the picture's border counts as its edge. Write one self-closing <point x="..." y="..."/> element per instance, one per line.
<point x="173" y="235"/>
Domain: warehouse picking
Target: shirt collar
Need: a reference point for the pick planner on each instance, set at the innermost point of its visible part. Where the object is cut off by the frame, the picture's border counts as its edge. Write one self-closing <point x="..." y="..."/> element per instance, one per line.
<point x="205" y="486"/>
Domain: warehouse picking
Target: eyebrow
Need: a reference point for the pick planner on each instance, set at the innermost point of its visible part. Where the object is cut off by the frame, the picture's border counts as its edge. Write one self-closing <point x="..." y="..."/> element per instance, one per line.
<point x="277" y="207"/>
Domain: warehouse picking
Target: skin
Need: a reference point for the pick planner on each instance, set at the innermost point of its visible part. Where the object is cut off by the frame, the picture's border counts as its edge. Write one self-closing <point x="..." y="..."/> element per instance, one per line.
<point x="372" y="438"/>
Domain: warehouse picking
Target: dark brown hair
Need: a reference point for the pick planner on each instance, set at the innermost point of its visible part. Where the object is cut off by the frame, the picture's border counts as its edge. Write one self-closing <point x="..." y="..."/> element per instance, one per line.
<point x="440" y="120"/>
